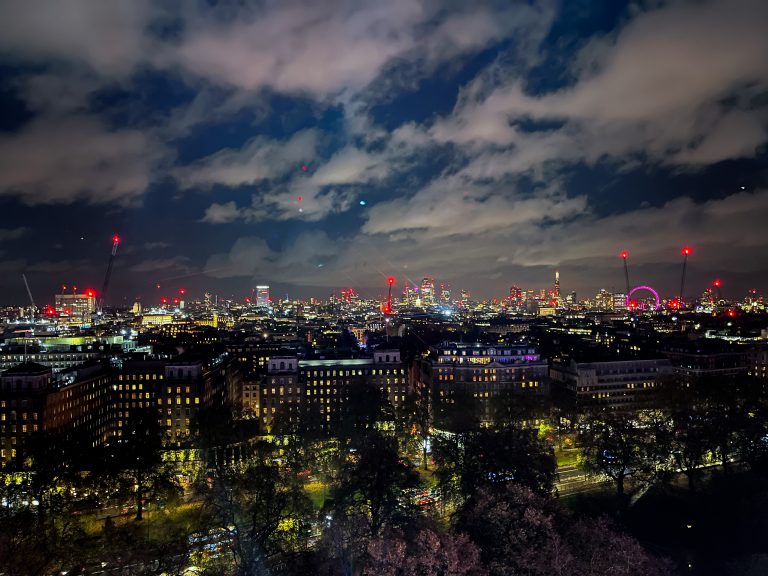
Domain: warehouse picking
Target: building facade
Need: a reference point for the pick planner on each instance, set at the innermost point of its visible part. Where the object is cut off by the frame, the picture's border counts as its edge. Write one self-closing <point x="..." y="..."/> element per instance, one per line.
<point x="483" y="372"/>
<point x="617" y="384"/>
<point x="317" y="390"/>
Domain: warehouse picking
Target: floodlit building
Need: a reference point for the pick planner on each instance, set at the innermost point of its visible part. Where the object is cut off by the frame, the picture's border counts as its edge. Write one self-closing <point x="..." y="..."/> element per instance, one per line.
<point x="484" y="373"/>
<point x="262" y="296"/>
<point x="76" y="306"/>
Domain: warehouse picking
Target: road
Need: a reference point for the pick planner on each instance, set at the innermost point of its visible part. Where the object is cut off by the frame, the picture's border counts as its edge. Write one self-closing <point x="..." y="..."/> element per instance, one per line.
<point x="572" y="480"/>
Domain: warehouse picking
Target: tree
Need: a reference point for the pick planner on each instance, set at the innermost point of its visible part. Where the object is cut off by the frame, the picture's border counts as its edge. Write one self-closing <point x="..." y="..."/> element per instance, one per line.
<point x="514" y="409"/>
<point x="262" y="516"/>
<point x="752" y="435"/>
<point x="489" y="458"/>
<point x="427" y="553"/>
<point x="515" y="530"/>
<point x="521" y="533"/>
<point x="373" y="484"/>
<point x="689" y="440"/>
<point x="137" y="458"/>
<point x="599" y="548"/>
<point x="413" y="426"/>
<point x="363" y="412"/>
<point x="617" y="445"/>
<point x="459" y="413"/>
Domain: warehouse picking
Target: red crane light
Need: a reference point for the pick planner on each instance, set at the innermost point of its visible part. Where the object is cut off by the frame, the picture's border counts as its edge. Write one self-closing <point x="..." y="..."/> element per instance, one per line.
<point x="175" y="300"/>
<point x="687" y="251"/>
<point x="390" y="280"/>
<point x="624" y="254"/>
<point x="163" y="300"/>
<point x="182" y="291"/>
<point x="717" y="283"/>
<point x="116" y="239"/>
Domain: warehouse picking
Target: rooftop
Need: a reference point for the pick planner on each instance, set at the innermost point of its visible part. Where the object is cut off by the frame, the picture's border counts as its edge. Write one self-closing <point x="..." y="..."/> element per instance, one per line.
<point x="27" y="368"/>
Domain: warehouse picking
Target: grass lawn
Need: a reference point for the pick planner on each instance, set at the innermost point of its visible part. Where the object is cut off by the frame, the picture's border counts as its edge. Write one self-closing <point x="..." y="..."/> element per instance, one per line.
<point x="567" y="457"/>
<point x="317" y="493"/>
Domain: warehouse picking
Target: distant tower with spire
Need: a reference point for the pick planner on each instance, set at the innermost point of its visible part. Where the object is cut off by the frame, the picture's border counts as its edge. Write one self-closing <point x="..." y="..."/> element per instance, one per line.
<point x="557" y="284"/>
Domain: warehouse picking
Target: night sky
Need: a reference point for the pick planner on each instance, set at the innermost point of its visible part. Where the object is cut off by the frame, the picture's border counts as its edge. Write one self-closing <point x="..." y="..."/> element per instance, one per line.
<point x="319" y="144"/>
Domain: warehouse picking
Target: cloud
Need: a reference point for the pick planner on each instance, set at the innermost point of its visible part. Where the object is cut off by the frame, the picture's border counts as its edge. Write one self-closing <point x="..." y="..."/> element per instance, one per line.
<point x="326" y="187"/>
<point x="259" y="159"/>
<point x="726" y="234"/>
<point x="222" y="213"/>
<point x="12" y="233"/>
<point x="61" y="160"/>
<point x="452" y="206"/>
<point x="662" y="86"/>
<point x="176" y="263"/>
<point x="326" y="49"/>
<point x="159" y="245"/>
<point x="108" y="37"/>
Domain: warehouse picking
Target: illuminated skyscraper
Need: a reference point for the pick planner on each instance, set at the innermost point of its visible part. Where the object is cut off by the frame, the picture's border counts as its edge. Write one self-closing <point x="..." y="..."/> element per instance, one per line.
<point x="445" y="292"/>
<point x="262" y="296"/>
<point x="427" y="291"/>
<point x="557" y="284"/>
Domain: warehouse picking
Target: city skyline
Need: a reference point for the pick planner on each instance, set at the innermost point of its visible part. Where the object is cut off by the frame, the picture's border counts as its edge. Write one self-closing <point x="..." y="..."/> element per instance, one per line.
<point x="484" y="147"/>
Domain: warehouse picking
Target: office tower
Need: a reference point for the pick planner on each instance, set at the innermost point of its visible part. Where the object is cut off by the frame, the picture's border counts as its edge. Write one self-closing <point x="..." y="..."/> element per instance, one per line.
<point x="76" y="306"/>
<point x="262" y="296"/>
<point x="427" y="291"/>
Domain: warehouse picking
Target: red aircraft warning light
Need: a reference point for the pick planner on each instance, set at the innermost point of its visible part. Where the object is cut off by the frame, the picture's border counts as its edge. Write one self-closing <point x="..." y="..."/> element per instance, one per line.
<point x="182" y="291"/>
<point x="390" y="280"/>
<point x="624" y="254"/>
<point x="116" y="239"/>
<point x="717" y="283"/>
<point x="90" y="293"/>
<point x="163" y="300"/>
<point x="686" y="251"/>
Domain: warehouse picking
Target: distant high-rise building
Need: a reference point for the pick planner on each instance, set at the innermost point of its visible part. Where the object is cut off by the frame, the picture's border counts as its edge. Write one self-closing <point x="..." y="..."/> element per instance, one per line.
<point x="603" y="300"/>
<point x="557" y="284"/>
<point x="445" y="292"/>
<point x="427" y="291"/>
<point x="409" y="294"/>
<point x="516" y="297"/>
<point x="262" y="296"/>
<point x="76" y="306"/>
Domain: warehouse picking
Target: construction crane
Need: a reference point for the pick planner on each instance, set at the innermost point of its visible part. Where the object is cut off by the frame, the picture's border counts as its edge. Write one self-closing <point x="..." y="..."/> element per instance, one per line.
<point x="29" y="293"/>
<point x="686" y="251"/>
<point x="624" y="255"/>
<point x="107" y="276"/>
<point x="388" y="306"/>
